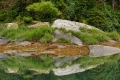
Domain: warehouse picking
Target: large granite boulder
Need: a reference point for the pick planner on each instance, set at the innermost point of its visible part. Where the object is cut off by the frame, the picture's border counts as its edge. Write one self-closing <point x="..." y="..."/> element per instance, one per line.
<point x="70" y="25"/>
<point x="12" y="25"/>
<point x="39" y="25"/>
<point x="59" y="34"/>
<point x="99" y="50"/>
<point x="3" y="40"/>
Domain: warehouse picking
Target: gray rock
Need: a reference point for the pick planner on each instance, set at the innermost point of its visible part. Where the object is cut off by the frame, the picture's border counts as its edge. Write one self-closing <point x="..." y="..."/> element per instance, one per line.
<point x="63" y="60"/>
<point x="24" y="43"/>
<point x="59" y="34"/>
<point x="99" y="50"/>
<point x="3" y="56"/>
<point x="70" y="25"/>
<point x="3" y="40"/>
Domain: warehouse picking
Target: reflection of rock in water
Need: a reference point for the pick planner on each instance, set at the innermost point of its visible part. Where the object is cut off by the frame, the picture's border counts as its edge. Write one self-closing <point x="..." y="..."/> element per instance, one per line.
<point x="3" y="56"/>
<point x="63" y="60"/>
<point x="3" y="40"/>
<point x="12" y="70"/>
<point x="71" y="70"/>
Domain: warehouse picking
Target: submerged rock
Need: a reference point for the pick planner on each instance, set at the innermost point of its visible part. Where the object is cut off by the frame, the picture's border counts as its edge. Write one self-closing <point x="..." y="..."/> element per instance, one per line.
<point x="70" y="25"/>
<point x="24" y="43"/>
<point x="99" y="50"/>
<point x="12" y="52"/>
<point x="59" y="34"/>
<point x="48" y="52"/>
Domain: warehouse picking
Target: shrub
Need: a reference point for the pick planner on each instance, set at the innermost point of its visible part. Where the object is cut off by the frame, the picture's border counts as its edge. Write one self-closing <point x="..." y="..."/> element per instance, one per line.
<point x="27" y="19"/>
<point x="45" y="10"/>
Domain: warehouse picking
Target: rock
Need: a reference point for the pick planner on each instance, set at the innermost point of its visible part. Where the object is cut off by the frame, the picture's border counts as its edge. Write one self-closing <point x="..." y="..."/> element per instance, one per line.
<point x="48" y="52"/>
<point x="29" y="51"/>
<point x="71" y="70"/>
<point x="3" y="56"/>
<point x="3" y="40"/>
<point x="39" y="25"/>
<point x="70" y="25"/>
<point x="12" y="52"/>
<point x="112" y="41"/>
<point x="12" y="25"/>
<point x="99" y="50"/>
<point x="59" y="34"/>
<point x="13" y="70"/>
<point x="63" y="60"/>
<point x="24" y="43"/>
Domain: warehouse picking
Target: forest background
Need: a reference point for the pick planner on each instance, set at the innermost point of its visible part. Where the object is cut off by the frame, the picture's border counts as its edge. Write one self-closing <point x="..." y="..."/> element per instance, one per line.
<point x="103" y="14"/>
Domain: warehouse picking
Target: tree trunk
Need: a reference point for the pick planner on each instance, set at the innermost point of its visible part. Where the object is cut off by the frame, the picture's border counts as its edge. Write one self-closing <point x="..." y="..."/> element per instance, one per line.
<point x="113" y="4"/>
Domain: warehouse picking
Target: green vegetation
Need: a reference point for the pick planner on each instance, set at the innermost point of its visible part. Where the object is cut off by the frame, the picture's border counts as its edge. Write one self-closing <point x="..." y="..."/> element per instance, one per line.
<point x="108" y="68"/>
<point x="27" y="19"/>
<point x="102" y="14"/>
<point x="94" y="36"/>
<point x="63" y="40"/>
<point x="47" y="38"/>
<point x="29" y="34"/>
<point x="44" y="10"/>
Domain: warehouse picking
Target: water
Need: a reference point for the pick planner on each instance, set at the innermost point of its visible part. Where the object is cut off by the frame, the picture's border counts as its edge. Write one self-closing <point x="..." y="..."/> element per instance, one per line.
<point x="108" y="71"/>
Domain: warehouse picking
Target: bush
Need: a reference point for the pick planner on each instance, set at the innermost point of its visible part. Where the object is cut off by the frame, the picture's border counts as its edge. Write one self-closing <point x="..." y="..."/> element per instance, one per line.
<point x="27" y="19"/>
<point x="45" y="10"/>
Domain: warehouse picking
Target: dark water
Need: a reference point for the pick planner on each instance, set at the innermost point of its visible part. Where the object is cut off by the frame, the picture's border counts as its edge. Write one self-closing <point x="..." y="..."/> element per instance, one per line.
<point x="107" y="71"/>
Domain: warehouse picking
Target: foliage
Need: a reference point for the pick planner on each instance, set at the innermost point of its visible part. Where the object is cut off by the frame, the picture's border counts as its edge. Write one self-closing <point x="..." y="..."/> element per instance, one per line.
<point x="28" y="34"/>
<point x="47" y="38"/>
<point x="45" y="10"/>
<point x="27" y="19"/>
